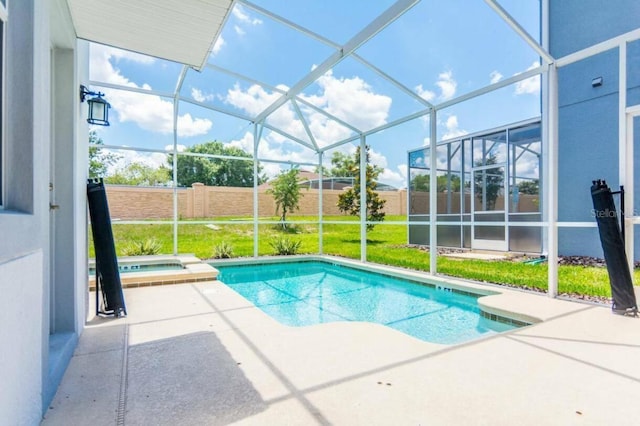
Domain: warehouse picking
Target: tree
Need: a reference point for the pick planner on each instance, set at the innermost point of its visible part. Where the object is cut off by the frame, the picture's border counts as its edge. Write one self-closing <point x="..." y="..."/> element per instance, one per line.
<point x="326" y="171"/>
<point x="286" y="193"/>
<point x="349" y="200"/>
<point x="140" y="174"/>
<point x="99" y="160"/>
<point x="421" y="183"/>
<point x="215" y="171"/>
<point x="491" y="180"/>
<point x="343" y="165"/>
<point x="530" y="187"/>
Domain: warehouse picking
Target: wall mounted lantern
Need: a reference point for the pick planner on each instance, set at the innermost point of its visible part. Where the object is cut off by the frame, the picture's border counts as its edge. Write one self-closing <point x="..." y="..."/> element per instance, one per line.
<point x="98" y="107"/>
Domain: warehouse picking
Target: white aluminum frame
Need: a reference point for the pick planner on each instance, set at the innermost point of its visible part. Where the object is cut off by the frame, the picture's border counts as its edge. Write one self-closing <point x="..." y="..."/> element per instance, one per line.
<point x="468" y="138"/>
<point x="348" y="49"/>
<point x="548" y="70"/>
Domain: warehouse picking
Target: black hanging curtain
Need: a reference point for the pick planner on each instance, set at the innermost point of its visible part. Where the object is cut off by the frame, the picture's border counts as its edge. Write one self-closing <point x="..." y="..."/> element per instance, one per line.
<point x="604" y="209"/>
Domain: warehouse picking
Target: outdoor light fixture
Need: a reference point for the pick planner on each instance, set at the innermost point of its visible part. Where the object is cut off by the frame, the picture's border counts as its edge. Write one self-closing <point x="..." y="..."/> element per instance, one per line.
<point x="596" y="82"/>
<point x="98" y="107"/>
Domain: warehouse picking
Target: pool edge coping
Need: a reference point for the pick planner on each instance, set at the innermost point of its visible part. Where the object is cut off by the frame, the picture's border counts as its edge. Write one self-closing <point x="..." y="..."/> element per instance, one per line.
<point x="509" y="305"/>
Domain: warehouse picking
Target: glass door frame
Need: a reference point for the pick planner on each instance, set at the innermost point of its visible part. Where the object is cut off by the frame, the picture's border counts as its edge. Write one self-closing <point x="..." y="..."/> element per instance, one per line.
<point x="627" y="177"/>
<point x="485" y="244"/>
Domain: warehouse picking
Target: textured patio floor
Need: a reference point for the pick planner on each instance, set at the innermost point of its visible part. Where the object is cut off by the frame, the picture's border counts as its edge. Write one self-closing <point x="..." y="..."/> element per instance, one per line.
<point x="199" y="354"/>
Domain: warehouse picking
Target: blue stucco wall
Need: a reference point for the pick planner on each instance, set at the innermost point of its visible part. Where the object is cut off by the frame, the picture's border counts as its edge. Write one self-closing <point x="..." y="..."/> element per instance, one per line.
<point x="577" y="24"/>
<point x="588" y="116"/>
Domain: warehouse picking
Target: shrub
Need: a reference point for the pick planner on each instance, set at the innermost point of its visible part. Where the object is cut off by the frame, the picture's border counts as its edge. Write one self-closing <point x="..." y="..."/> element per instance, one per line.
<point x="285" y="246"/>
<point x="223" y="250"/>
<point x="141" y="248"/>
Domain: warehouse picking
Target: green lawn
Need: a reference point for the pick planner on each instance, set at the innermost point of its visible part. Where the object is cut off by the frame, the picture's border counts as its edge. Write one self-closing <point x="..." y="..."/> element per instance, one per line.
<point x="386" y="244"/>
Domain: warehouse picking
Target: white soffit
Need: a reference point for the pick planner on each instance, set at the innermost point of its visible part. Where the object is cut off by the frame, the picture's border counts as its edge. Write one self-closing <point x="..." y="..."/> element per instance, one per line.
<point x="182" y="31"/>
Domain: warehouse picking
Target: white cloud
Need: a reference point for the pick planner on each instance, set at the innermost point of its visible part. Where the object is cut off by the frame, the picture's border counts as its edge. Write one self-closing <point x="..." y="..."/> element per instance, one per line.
<point x="242" y="16"/>
<point x="495" y="77"/>
<point x="447" y="85"/>
<point x="189" y="126"/>
<point x="404" y="170"/>
<point x="245" y="142"/>
<point x="243" y="20"/>
<point x="397" y="178"/>
<point x="530" y="85"/>
<point x="199" y="96"/>
<point x="253" y="100"/>
<point x="350" y="99"/>
<point x="427" y="95"/>
<point x="218" y="45"/>
<point x="452" y="128"/>
<point x="273" y="147"/>
<point x="154" y="159"/>
<point x="180" y="147"/>
<point x="271" y="169"/>
<point x="149" y="112"/>
<point x="377" y="159"/>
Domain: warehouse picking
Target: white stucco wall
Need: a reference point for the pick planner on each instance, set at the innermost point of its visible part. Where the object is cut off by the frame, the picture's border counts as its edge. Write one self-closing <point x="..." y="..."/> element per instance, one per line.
<point x="21" y="339"/>
<point x="24" y="222"/>
<point x="35" y="29"/>
<point x="81" y="173"/>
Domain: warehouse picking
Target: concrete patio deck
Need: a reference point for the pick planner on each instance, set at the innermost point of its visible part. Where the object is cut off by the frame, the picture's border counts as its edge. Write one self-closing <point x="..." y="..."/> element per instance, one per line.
<point x="200" y="354"/>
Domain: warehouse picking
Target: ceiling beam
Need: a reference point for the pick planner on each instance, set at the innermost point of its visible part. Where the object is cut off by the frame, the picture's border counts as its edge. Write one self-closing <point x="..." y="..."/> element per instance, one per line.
<point x="520" y="31"/>
<point x="392" y="80"/>
<point x="305" y="124"/>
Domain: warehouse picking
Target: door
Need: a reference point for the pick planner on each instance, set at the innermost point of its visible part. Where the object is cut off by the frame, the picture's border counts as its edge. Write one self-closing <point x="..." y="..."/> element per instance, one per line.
<point x="52" y="210"/>
<point x="630" y="173"/>
<point x="488" y="214"/>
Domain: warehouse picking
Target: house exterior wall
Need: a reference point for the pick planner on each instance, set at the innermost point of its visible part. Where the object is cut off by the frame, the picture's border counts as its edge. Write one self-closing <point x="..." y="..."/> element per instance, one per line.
<point x="34" y="31"/>
<point x="21" y="337"/>
<point x="588" y="116"/>
<point x="23" y="224"/>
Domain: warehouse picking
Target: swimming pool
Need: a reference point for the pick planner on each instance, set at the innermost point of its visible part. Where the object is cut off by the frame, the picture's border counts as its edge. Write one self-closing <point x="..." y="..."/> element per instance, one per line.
<point x="313" y="292"/>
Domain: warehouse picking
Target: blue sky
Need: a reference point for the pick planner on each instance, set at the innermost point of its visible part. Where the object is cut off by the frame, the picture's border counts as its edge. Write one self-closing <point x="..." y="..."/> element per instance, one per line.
<point x="438" y="49"/>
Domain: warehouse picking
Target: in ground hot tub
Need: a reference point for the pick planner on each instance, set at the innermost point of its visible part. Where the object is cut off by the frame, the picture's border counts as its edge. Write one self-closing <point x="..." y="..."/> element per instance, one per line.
<point x="143" y="271"/>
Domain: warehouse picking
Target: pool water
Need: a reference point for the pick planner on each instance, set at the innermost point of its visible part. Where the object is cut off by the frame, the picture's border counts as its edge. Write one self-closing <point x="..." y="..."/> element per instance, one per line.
<point x="307" y="293"/>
